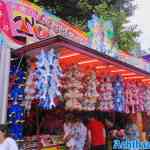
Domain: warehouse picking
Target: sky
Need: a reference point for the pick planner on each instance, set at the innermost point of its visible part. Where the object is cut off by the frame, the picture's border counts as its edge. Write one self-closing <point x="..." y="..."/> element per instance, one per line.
<point x="142" y="19"/>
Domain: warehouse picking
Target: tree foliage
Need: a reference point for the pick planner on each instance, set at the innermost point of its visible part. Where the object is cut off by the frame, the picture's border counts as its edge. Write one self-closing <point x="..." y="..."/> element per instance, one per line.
<point x="79" y="12"/>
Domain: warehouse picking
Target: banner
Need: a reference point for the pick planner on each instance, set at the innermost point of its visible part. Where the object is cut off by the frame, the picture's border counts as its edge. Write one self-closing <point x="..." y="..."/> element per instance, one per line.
<point x="28" y="23"/>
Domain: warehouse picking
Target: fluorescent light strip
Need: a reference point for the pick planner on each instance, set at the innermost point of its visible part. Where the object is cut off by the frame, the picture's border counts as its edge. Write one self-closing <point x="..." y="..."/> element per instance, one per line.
<point x="146" y="80"/>
<point x="69" y="55"/>
<point x="128" y="74"/>
<point x="119" y="70"/>
<point x="101" y="67"/>
<point x="135" y="77"/>
<point x="88" y="61"/>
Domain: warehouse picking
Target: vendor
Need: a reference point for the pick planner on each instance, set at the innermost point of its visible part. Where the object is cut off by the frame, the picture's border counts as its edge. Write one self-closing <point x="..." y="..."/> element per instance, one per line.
<point x="132" y="131"/>
<point x="97" y="133"/>
<point x="75" y="133"/>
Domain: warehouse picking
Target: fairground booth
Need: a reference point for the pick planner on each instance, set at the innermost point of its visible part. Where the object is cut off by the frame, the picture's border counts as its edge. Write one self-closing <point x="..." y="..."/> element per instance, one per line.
<point x="50" y="68"/>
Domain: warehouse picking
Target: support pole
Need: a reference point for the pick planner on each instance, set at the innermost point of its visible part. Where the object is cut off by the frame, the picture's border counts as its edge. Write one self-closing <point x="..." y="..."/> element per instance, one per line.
<point x="4" y="80"/>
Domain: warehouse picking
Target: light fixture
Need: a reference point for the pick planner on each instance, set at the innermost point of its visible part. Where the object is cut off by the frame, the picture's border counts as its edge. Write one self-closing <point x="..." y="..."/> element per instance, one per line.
<point x="135" y="77"/>
<point x="146" y="80"/>
<point x="69" y="55"/>
<point x="118" y="70"/>
<point x="88" y="61"/>
<point x="101" y="67"/>
<point x="128" y="74"/>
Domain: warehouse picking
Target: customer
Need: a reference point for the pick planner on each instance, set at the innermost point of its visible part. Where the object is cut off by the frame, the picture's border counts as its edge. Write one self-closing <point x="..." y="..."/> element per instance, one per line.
<point x="6" y="142"/>
<point x="96" y="134"/>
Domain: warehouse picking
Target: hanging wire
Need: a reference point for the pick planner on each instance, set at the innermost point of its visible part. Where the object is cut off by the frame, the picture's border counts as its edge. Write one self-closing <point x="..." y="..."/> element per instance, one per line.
<point x="17" y="70"/>
<point x="19" y="64"/>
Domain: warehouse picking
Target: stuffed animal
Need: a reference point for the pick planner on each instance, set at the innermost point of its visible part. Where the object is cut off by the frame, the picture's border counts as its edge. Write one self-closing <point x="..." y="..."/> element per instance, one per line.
<point x="73" y="88"/>
<point x="48" y="75"/>
<point x="147" y="100"/>
<point x="17" y="79"/>
<point x="133" y="93"/>
<point x="91" y="94"/>
<point x="141" y="97"/>
<point x="16" y="120"/>
<point x="30" y="86"/>
<point x="105" y="94"/>
<point x="118" y="95"/>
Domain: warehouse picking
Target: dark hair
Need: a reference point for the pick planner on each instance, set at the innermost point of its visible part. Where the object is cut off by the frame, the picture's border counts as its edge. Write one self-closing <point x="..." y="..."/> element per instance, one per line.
<point x="4" y="129"/>
<point x="69" y="118"/>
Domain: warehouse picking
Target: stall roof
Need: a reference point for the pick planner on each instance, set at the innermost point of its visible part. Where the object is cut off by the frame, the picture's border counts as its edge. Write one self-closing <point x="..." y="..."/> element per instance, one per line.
<point x="64" y="44"/>
<point x="147" y="57"/>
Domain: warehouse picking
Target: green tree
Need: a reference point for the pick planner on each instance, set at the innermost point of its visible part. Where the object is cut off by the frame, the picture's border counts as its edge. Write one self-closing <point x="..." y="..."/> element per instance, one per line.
<point x="78" y="12"/>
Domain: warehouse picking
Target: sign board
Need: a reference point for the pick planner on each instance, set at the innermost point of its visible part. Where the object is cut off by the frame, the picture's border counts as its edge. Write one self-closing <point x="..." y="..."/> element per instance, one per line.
<point x="29" y="24"/>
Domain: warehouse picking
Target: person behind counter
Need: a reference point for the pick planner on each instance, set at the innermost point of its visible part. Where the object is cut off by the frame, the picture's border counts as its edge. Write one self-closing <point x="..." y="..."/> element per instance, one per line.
<point x="132" y="131"/>
<point x="80" y="134"/>
<point x="97" y="133"/>
<point x="69" y="132"/>
<point x="6" y="142"/>
<point x="75" y="133"/>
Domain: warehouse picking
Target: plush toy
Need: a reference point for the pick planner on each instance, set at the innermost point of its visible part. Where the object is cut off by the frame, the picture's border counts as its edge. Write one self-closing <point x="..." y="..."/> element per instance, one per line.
<point x="130" y="93"/>
<point x="131" y="96"/>
<point x="141" y="97"/>
<point x="16" y="120"/>
<point x="73" y="88"/>
<point x="30" y="86"/>
<point x="17" y="80"/>
<point x="91" y="94"/>
<point x="17" y="92"/>
<point x="105" y="94"/>
<point x="48" y="75"/>
<point x="147" y="100"/>
<point x="118" y="95"/>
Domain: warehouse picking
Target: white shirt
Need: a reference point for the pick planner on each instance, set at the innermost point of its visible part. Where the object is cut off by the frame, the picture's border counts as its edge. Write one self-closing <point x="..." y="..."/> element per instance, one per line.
<point x="81" y="135"/>
<point x="9" y="144"/>
<point x="79" y="132"/>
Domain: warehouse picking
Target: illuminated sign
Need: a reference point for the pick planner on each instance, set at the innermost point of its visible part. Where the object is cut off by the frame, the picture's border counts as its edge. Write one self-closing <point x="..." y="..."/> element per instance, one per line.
<point x="28" y="24"/>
